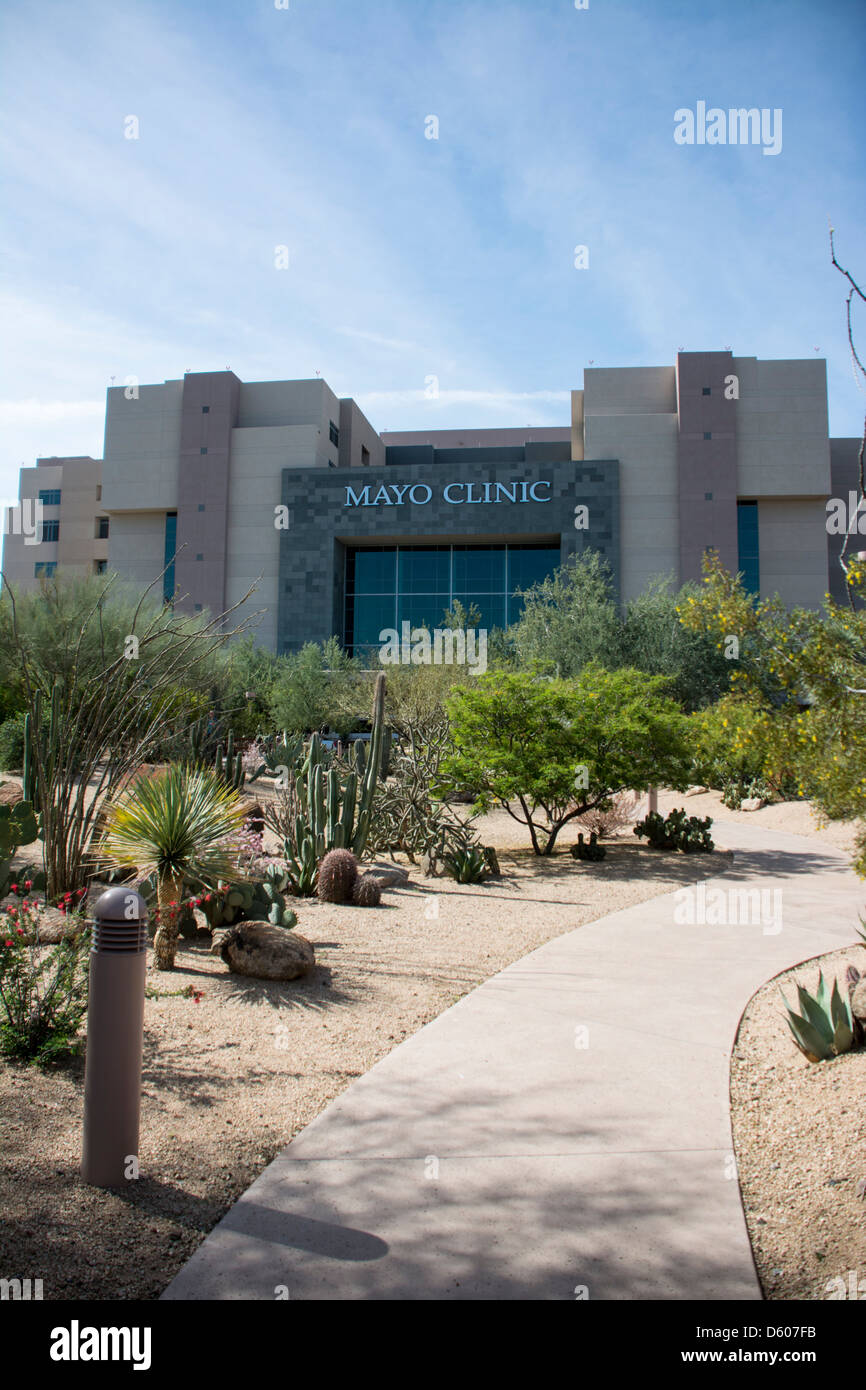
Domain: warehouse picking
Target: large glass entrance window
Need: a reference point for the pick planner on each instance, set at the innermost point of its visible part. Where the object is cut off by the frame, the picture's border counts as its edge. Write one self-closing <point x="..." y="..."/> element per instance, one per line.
<point x="389" y="585"/>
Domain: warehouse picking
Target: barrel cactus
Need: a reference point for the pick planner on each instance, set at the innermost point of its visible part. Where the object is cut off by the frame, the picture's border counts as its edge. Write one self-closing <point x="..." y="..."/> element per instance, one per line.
<point x="338" y="873"/>
<point x="367" y="891"/>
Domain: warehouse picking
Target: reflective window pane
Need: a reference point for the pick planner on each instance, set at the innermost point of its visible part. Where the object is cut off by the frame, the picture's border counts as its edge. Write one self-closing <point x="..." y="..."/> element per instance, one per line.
<point x="424" y="570"/>
<point x="479" y="569"/>
<point x="375" y="571"/>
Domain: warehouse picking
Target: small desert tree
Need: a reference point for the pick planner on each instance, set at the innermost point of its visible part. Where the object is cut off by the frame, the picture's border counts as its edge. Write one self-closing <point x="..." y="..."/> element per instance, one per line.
<point x="549" y="751"/>
<point x="112" y="700"/>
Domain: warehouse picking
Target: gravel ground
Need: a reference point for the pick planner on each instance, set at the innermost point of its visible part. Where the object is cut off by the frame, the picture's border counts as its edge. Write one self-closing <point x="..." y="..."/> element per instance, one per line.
<point x="800" y="1141"/>
<point x="229" y="1080"/>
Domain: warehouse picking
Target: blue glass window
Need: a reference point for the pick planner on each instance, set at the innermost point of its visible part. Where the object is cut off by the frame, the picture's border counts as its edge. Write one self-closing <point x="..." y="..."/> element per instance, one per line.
<point x="170" y="548"/>
<point x="389" y="585"/>
<point x="50" y="496"/>
<point x="44" y="567"/>
<point x="748" y="549"/>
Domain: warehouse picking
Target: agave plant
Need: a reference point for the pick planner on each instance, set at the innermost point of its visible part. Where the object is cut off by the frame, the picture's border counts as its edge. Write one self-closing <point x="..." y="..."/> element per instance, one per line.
<point x="182" y="824"/>
<point x="825" y="1027"/>
<point x="467" y="865"/>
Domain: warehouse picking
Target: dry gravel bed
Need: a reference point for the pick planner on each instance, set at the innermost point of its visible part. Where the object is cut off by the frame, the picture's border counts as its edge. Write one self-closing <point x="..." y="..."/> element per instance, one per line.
<point x="800" y="1141"/>
<point x="230" y="1080"/>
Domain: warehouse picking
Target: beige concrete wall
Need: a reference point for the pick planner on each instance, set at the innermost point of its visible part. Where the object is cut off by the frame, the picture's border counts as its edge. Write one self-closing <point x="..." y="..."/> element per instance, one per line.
<point x="142" y="448"/>
<point x="630" y="415"/>
<point x="78" y="547"/>
<point x="577" y="426"/>
<point x="257" y="459"/>
<point x="266" y="404"/>
<point x="629" y="390"/>
<point x="782" y="444"/>
<point x="646" y="446"/>
<point x="136" y="546"/>
<point x="793" y="549"/>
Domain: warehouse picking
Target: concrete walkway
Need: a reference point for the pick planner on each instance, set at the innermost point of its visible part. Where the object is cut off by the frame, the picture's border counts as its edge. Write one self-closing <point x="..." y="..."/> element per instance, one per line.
<point x="563" y="1127"/>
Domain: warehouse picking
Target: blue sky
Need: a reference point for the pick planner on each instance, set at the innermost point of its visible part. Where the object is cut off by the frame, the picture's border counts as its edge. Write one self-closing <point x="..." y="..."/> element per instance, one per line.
<point x="411" y="257"/>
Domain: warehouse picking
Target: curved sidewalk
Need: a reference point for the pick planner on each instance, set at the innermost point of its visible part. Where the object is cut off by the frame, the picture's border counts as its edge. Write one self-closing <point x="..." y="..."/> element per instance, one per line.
<point x="564" y="1127"/>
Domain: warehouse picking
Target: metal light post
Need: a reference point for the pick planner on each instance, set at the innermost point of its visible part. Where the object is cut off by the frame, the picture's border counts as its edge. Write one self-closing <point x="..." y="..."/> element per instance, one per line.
<point x="115" y="1030"/>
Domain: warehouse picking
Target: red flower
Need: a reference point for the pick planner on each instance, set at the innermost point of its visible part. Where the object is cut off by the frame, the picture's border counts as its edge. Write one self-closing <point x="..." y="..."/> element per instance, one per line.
<point x="10" y="943"/>
<point x="20" y="931"/>
<point x="208" y="897"/>
<point x="13" y="888"/>
<point x="28" y="883"/>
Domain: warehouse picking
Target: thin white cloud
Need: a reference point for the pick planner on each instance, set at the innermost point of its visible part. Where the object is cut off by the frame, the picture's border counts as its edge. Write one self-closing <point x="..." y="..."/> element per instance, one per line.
<point x="36" y="412"/>
<point x="378" y="340"/>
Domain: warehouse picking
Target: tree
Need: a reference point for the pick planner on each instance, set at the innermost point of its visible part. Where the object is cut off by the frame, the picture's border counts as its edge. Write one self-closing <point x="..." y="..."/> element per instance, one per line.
<point x="310" y="689"/>
<point x="547" y="751"/>
<point x="654" y="640"/>
<point x="569" y="619"/>
<point x="183" y="826"/>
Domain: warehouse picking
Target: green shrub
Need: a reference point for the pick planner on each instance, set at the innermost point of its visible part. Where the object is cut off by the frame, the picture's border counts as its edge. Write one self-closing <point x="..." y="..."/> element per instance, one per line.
<point x="43" y="990"/>
<point x="12" y="744"/>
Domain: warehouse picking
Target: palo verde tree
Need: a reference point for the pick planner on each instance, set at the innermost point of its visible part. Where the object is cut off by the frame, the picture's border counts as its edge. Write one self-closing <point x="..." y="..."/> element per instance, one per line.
<point x="547" y="751"/>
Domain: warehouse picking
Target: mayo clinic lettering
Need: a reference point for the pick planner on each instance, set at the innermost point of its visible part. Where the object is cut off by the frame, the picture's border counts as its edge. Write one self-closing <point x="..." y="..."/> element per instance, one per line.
<point x="650" y="466"/>
<point x="388" y="494"/>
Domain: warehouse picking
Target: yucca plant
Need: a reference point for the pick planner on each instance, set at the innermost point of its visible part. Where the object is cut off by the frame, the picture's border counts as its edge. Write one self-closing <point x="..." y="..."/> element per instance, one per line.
<point x="182" y="824"/>
<point x="824" y="1028"/>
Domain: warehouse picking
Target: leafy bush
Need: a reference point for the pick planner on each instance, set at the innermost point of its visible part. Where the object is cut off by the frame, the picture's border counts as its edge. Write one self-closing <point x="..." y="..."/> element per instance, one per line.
<point x="12" y="744"/>
<point x="678" y="831"/>
<point x="43" y="991"/>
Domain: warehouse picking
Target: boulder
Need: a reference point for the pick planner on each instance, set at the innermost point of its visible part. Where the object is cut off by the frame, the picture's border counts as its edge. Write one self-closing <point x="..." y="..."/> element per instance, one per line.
<point x="266" y="952"/>
<point x="10" y="794"/>
<point x="695" y="791"/>
<point x="389" y="875"/>
<point x="752" y="803"/>
<point x="858" y="1001"/>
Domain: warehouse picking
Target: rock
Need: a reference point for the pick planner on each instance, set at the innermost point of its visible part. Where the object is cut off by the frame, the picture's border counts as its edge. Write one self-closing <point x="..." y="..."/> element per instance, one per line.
<point x="752" y="803"/>
<point x="254" y="816"/>
<point x="695" y="791"/>
<point x="10" y="794"/>
<point x="492" y="861"/>
<point x="54" y="925"/>
<point x="858" y="1001"/>
<point x="389" y="874"/>
<point x="266" y="952"/>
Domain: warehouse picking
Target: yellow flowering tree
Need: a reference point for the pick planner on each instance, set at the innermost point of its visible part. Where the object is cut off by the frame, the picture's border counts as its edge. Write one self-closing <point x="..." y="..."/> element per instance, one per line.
<point x="805" y="670"/>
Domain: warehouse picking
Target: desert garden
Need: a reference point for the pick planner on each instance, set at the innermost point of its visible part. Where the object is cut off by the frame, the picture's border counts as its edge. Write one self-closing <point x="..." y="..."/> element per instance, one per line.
<point x="332" y="855"/>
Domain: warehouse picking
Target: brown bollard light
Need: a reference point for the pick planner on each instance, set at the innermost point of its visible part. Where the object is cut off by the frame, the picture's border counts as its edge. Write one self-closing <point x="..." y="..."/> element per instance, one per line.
<point x="115" y="1029"/>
